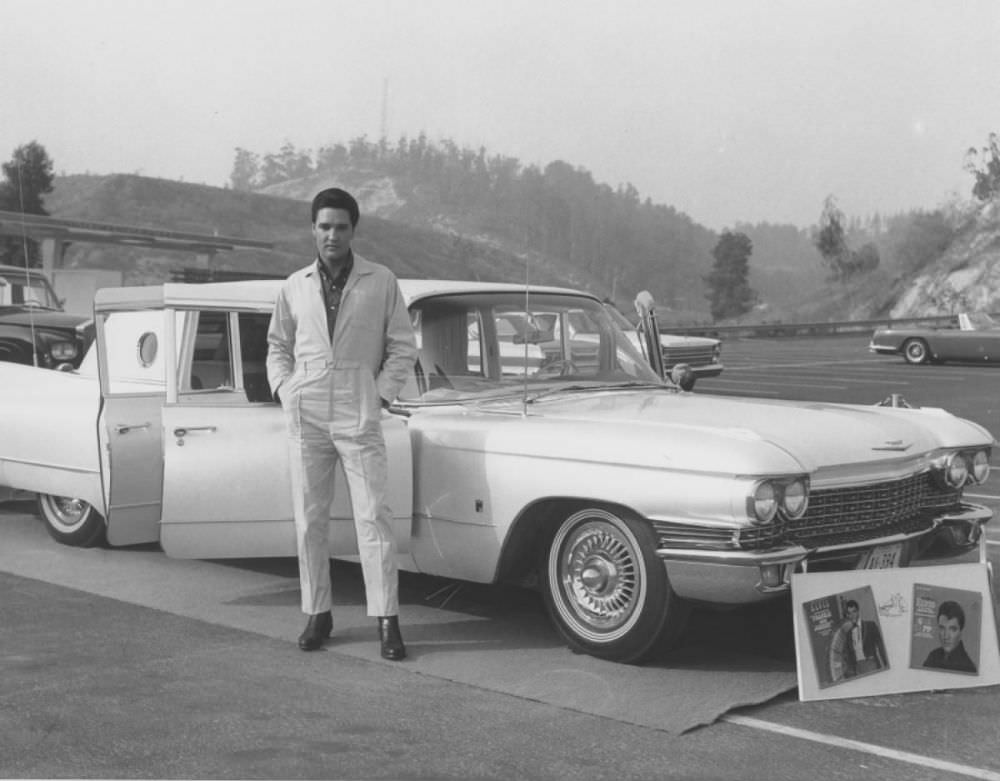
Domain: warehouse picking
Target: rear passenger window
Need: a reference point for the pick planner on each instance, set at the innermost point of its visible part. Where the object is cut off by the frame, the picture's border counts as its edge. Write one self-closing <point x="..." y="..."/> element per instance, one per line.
<point x="253" y="354"/>
<point x="227" y="359"/>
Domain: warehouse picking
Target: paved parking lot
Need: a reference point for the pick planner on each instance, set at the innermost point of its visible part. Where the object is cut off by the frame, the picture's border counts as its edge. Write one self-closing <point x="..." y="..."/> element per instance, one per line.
<point x="122" y="663"/>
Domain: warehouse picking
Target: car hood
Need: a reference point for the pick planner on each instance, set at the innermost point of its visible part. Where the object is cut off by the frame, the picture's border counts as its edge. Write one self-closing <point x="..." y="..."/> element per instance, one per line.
<point x="679" y="340"/>
<point x="40" y="318"/>
<point x="742" y="436"/>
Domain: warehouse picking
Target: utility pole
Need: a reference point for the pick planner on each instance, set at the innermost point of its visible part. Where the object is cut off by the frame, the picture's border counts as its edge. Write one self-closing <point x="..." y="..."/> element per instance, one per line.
<point x="385" y="109"/>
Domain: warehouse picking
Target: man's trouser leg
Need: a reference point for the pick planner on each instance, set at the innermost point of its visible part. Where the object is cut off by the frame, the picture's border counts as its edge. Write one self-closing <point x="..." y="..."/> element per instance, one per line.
<point x="366" y="468"/>
<point x="312" y="458"/>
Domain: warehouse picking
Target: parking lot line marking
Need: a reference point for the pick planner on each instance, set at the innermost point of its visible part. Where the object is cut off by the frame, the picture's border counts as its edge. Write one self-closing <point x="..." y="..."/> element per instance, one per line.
<point x="867" y="748"/>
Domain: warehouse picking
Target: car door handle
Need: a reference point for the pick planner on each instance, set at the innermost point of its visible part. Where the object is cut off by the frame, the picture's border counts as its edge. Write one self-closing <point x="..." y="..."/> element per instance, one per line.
<point x="180" y="432"/>
<point x="125" y="428"/>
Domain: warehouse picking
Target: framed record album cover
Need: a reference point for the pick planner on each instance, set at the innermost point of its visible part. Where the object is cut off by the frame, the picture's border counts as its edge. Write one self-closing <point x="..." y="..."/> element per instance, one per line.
<point x="869" y="632"/>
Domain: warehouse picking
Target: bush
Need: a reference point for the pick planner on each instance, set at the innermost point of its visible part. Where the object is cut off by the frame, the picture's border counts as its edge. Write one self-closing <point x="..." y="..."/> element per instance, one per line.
<point x="916" y="240"/>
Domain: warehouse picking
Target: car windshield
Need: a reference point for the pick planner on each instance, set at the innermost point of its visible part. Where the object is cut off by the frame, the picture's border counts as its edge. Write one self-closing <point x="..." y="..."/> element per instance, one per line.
<point x="18" y="288"/>
<point x="979" y="321"/>
<point x="478" y="346"/>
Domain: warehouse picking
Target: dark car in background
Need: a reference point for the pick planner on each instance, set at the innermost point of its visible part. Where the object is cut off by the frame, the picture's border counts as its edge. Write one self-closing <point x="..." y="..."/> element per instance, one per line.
<point x="976" y="340"/>
<point x="34" y="329"/>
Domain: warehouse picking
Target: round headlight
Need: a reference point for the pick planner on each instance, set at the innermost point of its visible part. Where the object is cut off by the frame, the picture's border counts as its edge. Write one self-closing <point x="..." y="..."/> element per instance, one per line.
<point x="795" y="499"/>
<point x="956" y="470"/>
<point x="763" y="502"/>
<point x="980" y="466"/>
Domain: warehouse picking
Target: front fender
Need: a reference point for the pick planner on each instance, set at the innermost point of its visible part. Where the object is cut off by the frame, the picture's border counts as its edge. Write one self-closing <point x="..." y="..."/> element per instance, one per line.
<point x="16" y="344"/>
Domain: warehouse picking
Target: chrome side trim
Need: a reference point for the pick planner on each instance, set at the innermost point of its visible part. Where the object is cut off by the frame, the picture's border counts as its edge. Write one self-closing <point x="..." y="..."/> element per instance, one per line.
<point x="739" y="558"/>
<point x="59" y="467"/>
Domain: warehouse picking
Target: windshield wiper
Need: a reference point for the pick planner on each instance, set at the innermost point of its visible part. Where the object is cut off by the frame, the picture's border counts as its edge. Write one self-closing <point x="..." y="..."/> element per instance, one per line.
<point x="603" y="386"/>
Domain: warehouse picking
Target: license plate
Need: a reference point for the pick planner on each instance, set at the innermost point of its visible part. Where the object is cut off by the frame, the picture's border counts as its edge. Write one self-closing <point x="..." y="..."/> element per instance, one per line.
<point x="882" y="557"/>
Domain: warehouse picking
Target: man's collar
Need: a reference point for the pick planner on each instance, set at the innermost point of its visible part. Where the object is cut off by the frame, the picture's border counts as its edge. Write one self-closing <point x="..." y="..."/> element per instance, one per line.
<point x="340" y="278"/>
<point x="358" y="264"/>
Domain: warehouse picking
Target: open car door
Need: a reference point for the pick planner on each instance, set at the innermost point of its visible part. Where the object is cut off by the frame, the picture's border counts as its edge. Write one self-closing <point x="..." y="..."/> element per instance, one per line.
<point x="226" y="478"/>
<point x="133" y="370"/>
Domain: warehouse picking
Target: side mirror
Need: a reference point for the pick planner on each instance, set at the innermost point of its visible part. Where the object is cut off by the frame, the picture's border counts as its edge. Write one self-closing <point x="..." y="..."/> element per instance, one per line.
<point x="683" y="376"/>
<point x="649" y="331"/>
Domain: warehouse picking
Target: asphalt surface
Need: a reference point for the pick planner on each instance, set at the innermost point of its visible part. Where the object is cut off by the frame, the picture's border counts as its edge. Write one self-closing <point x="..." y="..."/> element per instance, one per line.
<point x="125" y="664"/>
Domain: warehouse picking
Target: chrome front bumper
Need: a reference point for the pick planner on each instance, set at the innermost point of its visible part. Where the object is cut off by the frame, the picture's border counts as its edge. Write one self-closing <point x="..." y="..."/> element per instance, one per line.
<point x="742" y="576"/>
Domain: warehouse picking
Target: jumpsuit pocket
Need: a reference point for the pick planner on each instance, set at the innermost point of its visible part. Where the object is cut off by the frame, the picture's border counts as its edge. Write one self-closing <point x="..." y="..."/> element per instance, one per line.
<point x="356" y="405"/>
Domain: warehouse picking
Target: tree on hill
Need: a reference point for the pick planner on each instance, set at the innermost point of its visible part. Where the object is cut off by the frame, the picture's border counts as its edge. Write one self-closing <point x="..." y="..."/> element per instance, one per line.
<point x="246" y="169"/>
<point x="831" y="241"/>
<point x="729" y="292"/>
<point x="27" y="180"/>
<point x="557" y="210"/>
<point x="984" y="165"/>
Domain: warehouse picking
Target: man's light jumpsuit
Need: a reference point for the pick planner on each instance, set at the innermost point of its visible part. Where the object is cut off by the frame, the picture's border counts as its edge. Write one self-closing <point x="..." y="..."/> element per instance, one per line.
<point x="332" y="397"/>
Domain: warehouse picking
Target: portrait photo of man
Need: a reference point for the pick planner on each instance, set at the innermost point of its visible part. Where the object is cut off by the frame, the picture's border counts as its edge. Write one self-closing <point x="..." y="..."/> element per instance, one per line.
<point x="951" y="654"/>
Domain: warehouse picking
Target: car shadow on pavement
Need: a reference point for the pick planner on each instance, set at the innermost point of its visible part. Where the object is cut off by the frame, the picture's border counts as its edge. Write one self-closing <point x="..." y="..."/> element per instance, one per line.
<point x="441" y="615"/>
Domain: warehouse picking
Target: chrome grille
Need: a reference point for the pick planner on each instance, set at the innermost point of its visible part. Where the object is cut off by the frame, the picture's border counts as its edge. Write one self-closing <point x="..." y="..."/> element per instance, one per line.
<point x="698" y="355"/>
<point x="836" y="516"/>
<point x="841" y="515"/>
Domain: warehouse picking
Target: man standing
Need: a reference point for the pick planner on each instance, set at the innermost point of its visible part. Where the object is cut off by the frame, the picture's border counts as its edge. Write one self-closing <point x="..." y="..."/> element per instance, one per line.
<point x="951" y="655"/>
<point x="340" y="347"/>
<point x="864" y="651"/>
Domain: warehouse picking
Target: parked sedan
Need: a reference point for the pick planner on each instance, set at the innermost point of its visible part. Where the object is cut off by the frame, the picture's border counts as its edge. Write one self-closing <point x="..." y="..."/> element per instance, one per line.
<point x="622" y="497"/>
<point x="976" y="340"/>
<point x="702" y="355"/>
<point x="34" y="329"/>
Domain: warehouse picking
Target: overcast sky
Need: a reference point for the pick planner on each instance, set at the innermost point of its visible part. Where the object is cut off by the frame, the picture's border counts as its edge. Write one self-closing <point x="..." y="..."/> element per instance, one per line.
<point x="730" y="111"/>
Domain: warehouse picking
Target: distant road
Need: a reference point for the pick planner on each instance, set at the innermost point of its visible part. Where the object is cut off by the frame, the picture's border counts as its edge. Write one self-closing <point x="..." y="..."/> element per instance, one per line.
<point x="841" y="369"/>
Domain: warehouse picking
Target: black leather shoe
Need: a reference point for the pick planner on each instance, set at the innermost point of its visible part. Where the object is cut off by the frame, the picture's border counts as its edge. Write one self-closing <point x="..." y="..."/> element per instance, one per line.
<point x="317" y="630"/>
<point x="392" y="642"/>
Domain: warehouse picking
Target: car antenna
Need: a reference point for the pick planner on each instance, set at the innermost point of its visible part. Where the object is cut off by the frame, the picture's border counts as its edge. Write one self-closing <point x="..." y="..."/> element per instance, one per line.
<point x="527" y="312"/>
<point x="27" y="273"/>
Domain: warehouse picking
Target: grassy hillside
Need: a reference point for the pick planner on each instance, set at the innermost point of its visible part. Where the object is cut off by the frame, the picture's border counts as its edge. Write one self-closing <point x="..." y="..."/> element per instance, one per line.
<point x="158" y="203"/>
<point x="417" y="236"/>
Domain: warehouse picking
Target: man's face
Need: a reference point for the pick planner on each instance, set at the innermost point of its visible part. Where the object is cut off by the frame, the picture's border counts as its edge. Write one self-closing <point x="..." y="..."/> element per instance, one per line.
<point x="949" y="633"/>
<point x="333" y="233"/>
<point x="852" y="615"/>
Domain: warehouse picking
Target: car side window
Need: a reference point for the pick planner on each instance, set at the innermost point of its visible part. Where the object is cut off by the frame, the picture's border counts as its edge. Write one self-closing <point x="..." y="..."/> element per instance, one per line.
<point x="225" y="360"/>
<point x="211" y="363"/>
<point x="253" y="353"/>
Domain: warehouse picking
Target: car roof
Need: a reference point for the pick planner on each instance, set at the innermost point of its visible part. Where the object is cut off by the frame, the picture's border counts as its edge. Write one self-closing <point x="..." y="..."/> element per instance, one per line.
<point x="260" y="293"/>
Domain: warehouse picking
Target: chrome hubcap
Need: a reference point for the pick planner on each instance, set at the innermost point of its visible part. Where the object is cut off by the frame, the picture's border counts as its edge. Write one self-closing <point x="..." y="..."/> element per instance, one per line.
<point x="66" y="510"/>
<point x="600" y="579"/>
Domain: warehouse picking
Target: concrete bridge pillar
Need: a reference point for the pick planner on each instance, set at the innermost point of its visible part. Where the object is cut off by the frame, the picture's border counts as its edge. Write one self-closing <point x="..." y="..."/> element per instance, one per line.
<point x="53" y="249"/>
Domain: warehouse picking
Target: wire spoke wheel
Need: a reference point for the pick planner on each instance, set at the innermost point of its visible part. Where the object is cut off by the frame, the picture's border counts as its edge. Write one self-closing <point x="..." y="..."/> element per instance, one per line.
<point x="600" y="578"/>
<point x="606" y="590"/>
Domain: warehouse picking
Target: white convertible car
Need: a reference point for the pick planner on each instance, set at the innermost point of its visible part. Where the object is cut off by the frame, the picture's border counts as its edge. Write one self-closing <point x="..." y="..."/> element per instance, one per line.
<point x="518" y="452"/>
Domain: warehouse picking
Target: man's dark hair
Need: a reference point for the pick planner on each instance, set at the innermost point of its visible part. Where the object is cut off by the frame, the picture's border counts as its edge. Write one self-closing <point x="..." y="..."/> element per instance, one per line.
<point x="851" y="603"/>
<point x="951" y="609"/>
<point x="335" y="198"/>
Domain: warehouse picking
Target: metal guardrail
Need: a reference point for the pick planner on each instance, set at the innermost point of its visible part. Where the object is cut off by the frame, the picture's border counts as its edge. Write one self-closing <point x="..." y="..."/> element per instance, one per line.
<point x="842" y="327"/>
